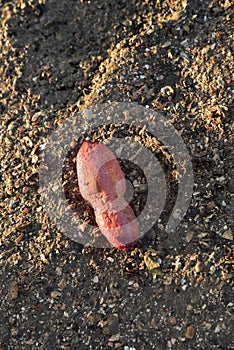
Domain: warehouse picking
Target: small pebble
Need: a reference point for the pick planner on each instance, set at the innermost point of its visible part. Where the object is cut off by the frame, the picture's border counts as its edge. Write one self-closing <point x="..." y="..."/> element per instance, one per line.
<point x="55" y="294"/>
<point x="228" y="235"/>
<point x="114" y="337"/>
<point x="189" y="332"/>
<point x="208" y="326"/>
<point x="62" y="284"/>
<point x="58" y="270"/>
<point x="110" y="259"/>
<point x="95" y="279"/>
<point x="166" y="44"/>
<point x="189" y="236"/>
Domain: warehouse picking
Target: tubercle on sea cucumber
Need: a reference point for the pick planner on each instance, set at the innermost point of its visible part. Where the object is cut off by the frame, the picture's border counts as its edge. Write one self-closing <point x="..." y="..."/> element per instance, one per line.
<point x="102" y="183"/>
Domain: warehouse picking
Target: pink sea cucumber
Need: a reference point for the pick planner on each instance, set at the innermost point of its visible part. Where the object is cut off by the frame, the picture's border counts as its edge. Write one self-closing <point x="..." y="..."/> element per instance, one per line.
<point x="102" y="183"/>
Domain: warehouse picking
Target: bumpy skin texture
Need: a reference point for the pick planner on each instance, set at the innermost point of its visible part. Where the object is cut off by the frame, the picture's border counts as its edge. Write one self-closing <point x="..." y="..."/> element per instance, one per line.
<point x="102" y="184"/>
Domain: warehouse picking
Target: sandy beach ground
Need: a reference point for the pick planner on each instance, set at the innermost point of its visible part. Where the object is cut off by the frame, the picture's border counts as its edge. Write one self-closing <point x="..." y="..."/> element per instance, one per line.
<point x="173" y="290"/>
